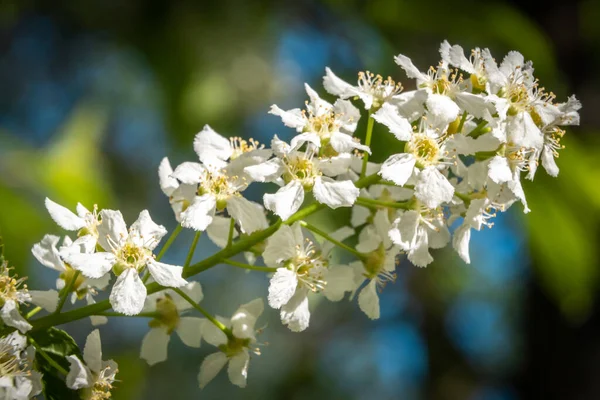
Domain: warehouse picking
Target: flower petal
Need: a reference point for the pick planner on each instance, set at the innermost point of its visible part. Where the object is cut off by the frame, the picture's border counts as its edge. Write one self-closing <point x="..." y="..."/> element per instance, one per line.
<point x="368" y="300"/>
<point x="166" y="274"/>
<point x="295" y="313"/>
<point x="398" y="168"/>
<point x="113" y="230"/>
<point x="286" y="201"/>
<point x="146" y="233"/>
<point x="212" y="148"/>
<point x="433" y="188"/>
<point x="248" y="214"/>
<point x="79" y="375"/>
<point x="281" y="246"/>
<point x="94" y="265"/>
<point x="47" y="299"/>
<point x="128" y="293"/>
<point x="499" y="170"/>
<point x="168" y="184"/>
<point x="218" y="230"/>
<point x="210" y="367"/>
<point x="282" y="287"/>
<point x="47" y="253"/>
<point x="267" y="171"/>
<point x="189" y="330"/>
<point x="154" y="346"/>
<point x="337" y="86"/>
<point x="63" y="217"/>
<point x="344" y="143"/>
<point x="399" y="126"/>
<point x="290" y="118"/>
<point x="200" y="213"/>
<point x="238" y="368"/>
<point x="92" y="352"/>
<point x="335" y="193"/>
<point x="12" y="317"/>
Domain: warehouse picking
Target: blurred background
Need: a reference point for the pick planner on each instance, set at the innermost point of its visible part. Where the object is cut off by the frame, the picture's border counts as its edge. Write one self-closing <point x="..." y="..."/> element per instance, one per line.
<point x="95" y="93"/>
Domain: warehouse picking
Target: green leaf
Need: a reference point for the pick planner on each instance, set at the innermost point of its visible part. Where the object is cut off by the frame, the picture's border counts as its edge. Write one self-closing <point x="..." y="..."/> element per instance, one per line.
<point x="57" y="344"/>
<point x="1" y="250"/>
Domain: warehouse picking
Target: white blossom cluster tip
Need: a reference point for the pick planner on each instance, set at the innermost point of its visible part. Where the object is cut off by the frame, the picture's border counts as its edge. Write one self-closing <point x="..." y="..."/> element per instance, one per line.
<point x="464" y="137"/>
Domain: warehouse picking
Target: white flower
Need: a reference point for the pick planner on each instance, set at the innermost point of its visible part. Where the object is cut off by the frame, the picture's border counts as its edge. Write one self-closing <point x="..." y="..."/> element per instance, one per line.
<point x="299" y="172"/>
<point x="13" y="292"/>
<point x="218" y="190"/>
<point x="180" y="195"/>
<point x="478" y="214"/>
<point x="169" y="307"/>
<point x="18" y="380"/>
<point x="93" y="377"/>
<point x="379" y="265"/>
<point x="361" y="215"/>
<point x="372" y="89"/>
<point x="416" y="231"/>
<point x="85" y="222"/>
<point x="425" y="155"/>
<point x="325" y="126"/>
<point x="301" y="268"/>
<point x="127" y="254"/>
<point x="47" y="253"/>
<point x="234" y="349"/>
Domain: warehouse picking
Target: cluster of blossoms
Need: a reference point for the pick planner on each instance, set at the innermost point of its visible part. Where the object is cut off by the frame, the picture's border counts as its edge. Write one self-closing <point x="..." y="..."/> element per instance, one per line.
<point x="466" y="135"/>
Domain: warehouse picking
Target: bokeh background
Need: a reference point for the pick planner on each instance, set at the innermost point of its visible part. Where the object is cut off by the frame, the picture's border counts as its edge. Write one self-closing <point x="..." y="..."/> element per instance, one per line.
<point x="94" y="93"/>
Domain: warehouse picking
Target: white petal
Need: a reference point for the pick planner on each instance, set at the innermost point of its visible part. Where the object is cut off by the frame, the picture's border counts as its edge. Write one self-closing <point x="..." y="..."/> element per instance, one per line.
<point x="238" y="368"/>
<point x="154" y="346"/>
<point x="192" y="289"/>
<point x="458" y="59"/>
<point x="317" y="105"/>
<point x="63" y="217"/>
<point x="218" y="230"/>
<point x="254" y="308"/>
<point x="340" y="234"/>
<point x="211" y="147"/>
<point x="96" y="320"/>
<point x="166" y="274"/>
<point x="279" y="147"/>
<point x="548" y="161"/>
<point x="11" y="316"/>
<point x="213" y="335"/>
<point x="190" y="330"/>
<point x="79" y="375"/>
<point x="360" y="215"/>
<point x="404" y="230"/>
<point x="368" y="300"/>
<point x="47" y="299"/>
<point x="94" y="265"/>
<point x="168" y="184"/>
<point x="524" y="132"/>
<point x="47" y="254"/>
<point x="398" y="168"/>
<point x="248" y="214"/>
<point x="499" y="170"/>
<point x="337" y="86"/>
<point x="343" y="143"/>
<point x="210" y="367"/>
<point x="474" y="104"/>
<point x="512" y="61"/>
<point x="368" y="240"/>
<point x="399" y="126"/>
<point x="282" y="287"/>
<point x="267" y="171"/>
<point x="460" y="242"/>
<point x="92" y="352"/>
<point x="291" y="118"/>
<point x="407" y="65"/>
<point x="442" y="109"/>
<point x="286" y="201"/>
<point x="346" y="114"/>
<point x="281" y="246"/>
<point x="307" y="137"/>
<point x="340" y="279"/>
<point x="419" y="253"/>
<point x="200" y="213"/>
<point x="189" y="173"/>
<point x="335" y="193"/>
<point x="295" y="313"/>
<point x="128" y="293"/>
<point x="337" y="165"/>
<point x="112" y="230"/>
<point x="433" y="188"/>
<point x="146" y="233"/>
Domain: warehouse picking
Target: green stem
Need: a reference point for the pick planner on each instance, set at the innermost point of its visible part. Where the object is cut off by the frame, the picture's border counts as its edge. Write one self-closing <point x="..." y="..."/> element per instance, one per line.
<point x="46" y="357"/>
<point x="33" y="312"/>
<point x="248" y="266"/>
<point x="479" y="130"/>
<point x="462" y="123"/>
<point x="363" y="201"/>
<point x="464" y="197"/>
<point x="197" y="306"/>
<point x="116" y="314"/>
<point x="65" y="292"/>
<point x="230" y="236"/>
<point x="188" y="259"/>
<point x="365" y="160"/>
<point x="326" y="236"/>
<point x="236" y="248"/>
<point x="169" y="242"/>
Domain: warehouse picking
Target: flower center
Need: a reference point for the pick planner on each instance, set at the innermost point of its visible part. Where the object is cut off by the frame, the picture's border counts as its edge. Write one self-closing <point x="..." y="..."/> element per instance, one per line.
<point x="10" y="364"/>
<point x="425" y="149"/>
<point x="241" y="146"/>
<point x="67" y="276"/>
<point x="131" y="256"/>
<point x="221" y="185"/>
<point x="309" y="266"/>
<point x="91" y="223"/>
<point x="381" y="89"/>
<point x="301" y="168"/>
<point x="234" y="346"/>
<point x="102" y="386"/>
<point x="374" y="266"/>
<point x="168" y="315"/>
<point x="9" y="286"/>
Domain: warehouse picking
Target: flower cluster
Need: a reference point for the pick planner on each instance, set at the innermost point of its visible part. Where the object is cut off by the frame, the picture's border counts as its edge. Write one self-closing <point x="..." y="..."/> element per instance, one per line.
<point x="466" y="135"/>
